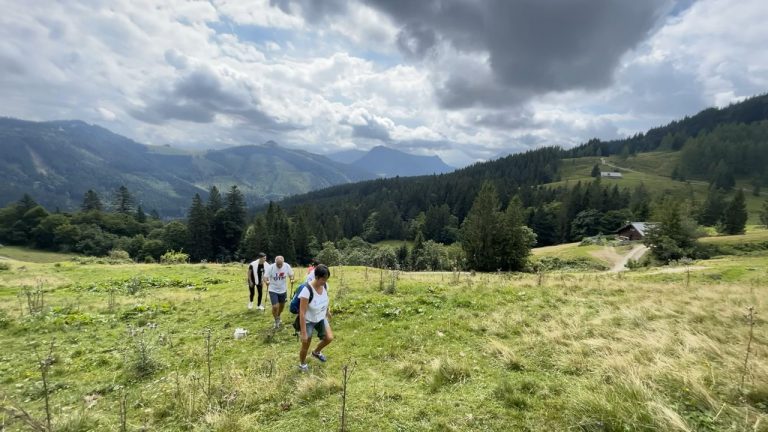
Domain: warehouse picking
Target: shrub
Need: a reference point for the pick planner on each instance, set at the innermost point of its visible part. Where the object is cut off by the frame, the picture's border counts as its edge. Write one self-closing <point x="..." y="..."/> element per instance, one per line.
<point x="173" y="257"/>
<point x="4" y="266"/>
<point x="119" y="255"/>
<point x="5" y="320"/>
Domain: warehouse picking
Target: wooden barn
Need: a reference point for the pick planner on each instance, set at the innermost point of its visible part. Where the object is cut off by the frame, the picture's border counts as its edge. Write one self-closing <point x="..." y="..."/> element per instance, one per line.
<point x="634" y="230"/>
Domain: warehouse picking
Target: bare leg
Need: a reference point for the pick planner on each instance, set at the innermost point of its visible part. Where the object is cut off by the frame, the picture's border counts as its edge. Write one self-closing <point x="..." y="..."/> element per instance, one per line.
<point x="327" y="340"/>
<point x="303" y="352"/>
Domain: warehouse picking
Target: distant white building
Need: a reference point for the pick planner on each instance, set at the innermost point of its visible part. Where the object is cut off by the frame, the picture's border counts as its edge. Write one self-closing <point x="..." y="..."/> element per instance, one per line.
<point x="610" y="174"/>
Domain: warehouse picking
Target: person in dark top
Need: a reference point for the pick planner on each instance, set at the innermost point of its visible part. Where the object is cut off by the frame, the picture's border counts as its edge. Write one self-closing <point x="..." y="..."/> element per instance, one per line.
<point x="256" y="272"/>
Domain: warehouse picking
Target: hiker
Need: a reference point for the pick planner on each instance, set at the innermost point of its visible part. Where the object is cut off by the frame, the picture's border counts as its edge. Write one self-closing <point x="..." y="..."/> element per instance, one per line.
<point x="276" y="282"/>
<point x="314" y="316"/>
<point x="256" y="272"/>
<point x="311" y="271"/>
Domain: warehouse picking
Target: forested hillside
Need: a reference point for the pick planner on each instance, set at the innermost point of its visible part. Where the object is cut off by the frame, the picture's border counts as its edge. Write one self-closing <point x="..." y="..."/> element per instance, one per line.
<point x="716" y="149"/>
<point x="57" y="162"/>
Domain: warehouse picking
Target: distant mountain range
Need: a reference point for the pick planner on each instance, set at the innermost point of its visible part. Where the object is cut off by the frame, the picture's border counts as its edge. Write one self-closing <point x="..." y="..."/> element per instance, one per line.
<point x="386" y="162"/>
<point x="57" y="162"/>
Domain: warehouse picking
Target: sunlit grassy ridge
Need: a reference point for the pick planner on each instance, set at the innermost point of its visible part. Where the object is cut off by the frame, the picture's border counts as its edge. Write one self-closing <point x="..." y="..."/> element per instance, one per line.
<point x="653" y="170"/>
<point x="640" y="351"/>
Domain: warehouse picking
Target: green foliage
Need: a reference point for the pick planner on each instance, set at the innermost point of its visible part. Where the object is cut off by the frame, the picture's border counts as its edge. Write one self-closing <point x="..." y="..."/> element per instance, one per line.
<point x="674" y="234"/>
<point x="173" y="257"/>
<point x="734" y="217"/>
<point x="764" y="214"/>
<point x="123" y="200"/>
<point x="329" y="255"/>
<point x="199" y="230"/>
<point x="595" y="171"/>
<point x="119" y="255"/>
<point x="91" y="201"/>
<point x="712" y="210"/>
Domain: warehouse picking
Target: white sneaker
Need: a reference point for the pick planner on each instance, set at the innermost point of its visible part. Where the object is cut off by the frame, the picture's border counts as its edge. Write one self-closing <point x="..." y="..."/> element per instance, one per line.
<point x="304" y="367"/>
<point x="261" y="307"/>
<point x="250" y="305"/>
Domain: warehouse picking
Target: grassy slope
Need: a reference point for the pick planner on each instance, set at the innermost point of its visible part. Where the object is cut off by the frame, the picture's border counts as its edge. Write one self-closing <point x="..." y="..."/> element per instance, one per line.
<point x="638" y="351"/>
<point x="654" y="170"/>
<point x="31" y="255"/>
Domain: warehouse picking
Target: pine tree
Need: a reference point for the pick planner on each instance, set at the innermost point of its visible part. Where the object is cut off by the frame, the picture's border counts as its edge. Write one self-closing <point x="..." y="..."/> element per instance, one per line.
<point x="217" y="219"/>
<point x="481" y="231"/>
<point x="402" y="255"/>
<point x="713" y="208"/>
<point x="518" y="238"/>
<point x="91" y="202"/>
<point x="640" y="203"/>
<point x="141" y="217"/>
<point x="198" y="225"/>
<point x="233" y="221"/>
<point x="123" y="200"/>
<point x="302" y="237"/>
<point x="764" y="214"/>
<point x="595" y="171"/>
<point x="735" y="216"/>
<point x="417" y="252"/>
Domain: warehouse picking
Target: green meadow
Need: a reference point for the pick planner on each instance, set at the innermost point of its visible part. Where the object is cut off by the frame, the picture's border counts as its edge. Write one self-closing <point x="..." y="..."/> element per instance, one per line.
<point x="151" y="347"/>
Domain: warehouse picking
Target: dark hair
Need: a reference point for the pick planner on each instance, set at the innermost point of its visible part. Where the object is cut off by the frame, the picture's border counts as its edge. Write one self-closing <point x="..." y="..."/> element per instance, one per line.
<point x="321" y="271"/>
<point x="262" y="255"/>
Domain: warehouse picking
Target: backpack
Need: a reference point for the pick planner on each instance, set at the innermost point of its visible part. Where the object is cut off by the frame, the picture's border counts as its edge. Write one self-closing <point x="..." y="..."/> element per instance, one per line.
<point x="294" y="306"/>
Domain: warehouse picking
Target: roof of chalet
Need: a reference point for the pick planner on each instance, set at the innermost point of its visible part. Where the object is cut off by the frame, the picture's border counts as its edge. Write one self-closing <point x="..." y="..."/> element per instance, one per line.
<point x="641" y="227"/>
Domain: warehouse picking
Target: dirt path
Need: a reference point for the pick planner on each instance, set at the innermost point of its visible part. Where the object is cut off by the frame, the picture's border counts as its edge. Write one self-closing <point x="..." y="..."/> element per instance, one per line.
<point x="635" y="254"/>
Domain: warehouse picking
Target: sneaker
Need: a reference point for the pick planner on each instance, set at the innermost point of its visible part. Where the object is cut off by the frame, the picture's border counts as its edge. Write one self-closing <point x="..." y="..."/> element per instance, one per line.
<point x="277" y="324"/>
<point x="304" y="367"/>
<point x="261" y="308"/>
<point x="319" y="356"/>
<point x="250" y="305"/>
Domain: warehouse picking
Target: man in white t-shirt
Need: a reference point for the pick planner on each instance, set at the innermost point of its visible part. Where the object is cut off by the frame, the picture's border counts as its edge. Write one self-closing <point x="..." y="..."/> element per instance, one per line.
<point x="315" y="316"/>
<point x="276" y="277"/>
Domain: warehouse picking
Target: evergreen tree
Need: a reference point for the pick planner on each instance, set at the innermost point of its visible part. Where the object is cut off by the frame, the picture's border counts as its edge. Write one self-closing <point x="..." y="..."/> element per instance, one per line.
<point x="481" y="232"/>
<point x="217" y="220"/>
<point x="214" y="200"/>
<point x="91" y="201"/>
<point x="735" y="216"/>
<point x="417" y="252"/>
<point x="440" y="224"/>
<point x="640" y="203"/>
<point x="518" y="238"/>
<point x="141" y="217"/>
<point x="595" y="171"/>
<point x="199" y="228"/>
<point x="302" y="238"/>
<point x="154" y="215"/>
<point x="402" y="256"/>
<point x="123" y="200"/>
<point x="722" y="176"/>
<point x="712" y="210"/>
<point x="764" y="214"/>
<point x="232" y="222"/>
<point x="674" y="235"/>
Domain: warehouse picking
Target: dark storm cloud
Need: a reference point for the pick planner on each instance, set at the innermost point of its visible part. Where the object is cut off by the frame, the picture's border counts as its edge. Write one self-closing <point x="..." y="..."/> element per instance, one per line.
<point x="415" y="41"/>
<point x="371" y="131"/>
<point x="532" y="46"/>
<point x="199" y="96"/>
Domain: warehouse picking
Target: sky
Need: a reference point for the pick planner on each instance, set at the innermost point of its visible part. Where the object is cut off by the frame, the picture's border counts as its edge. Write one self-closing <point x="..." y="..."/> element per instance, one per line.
<point x="467" y="80"/>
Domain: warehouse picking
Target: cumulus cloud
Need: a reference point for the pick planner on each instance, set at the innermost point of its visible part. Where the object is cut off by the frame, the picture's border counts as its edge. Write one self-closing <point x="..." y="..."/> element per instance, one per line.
<point x="464" y="79"/>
